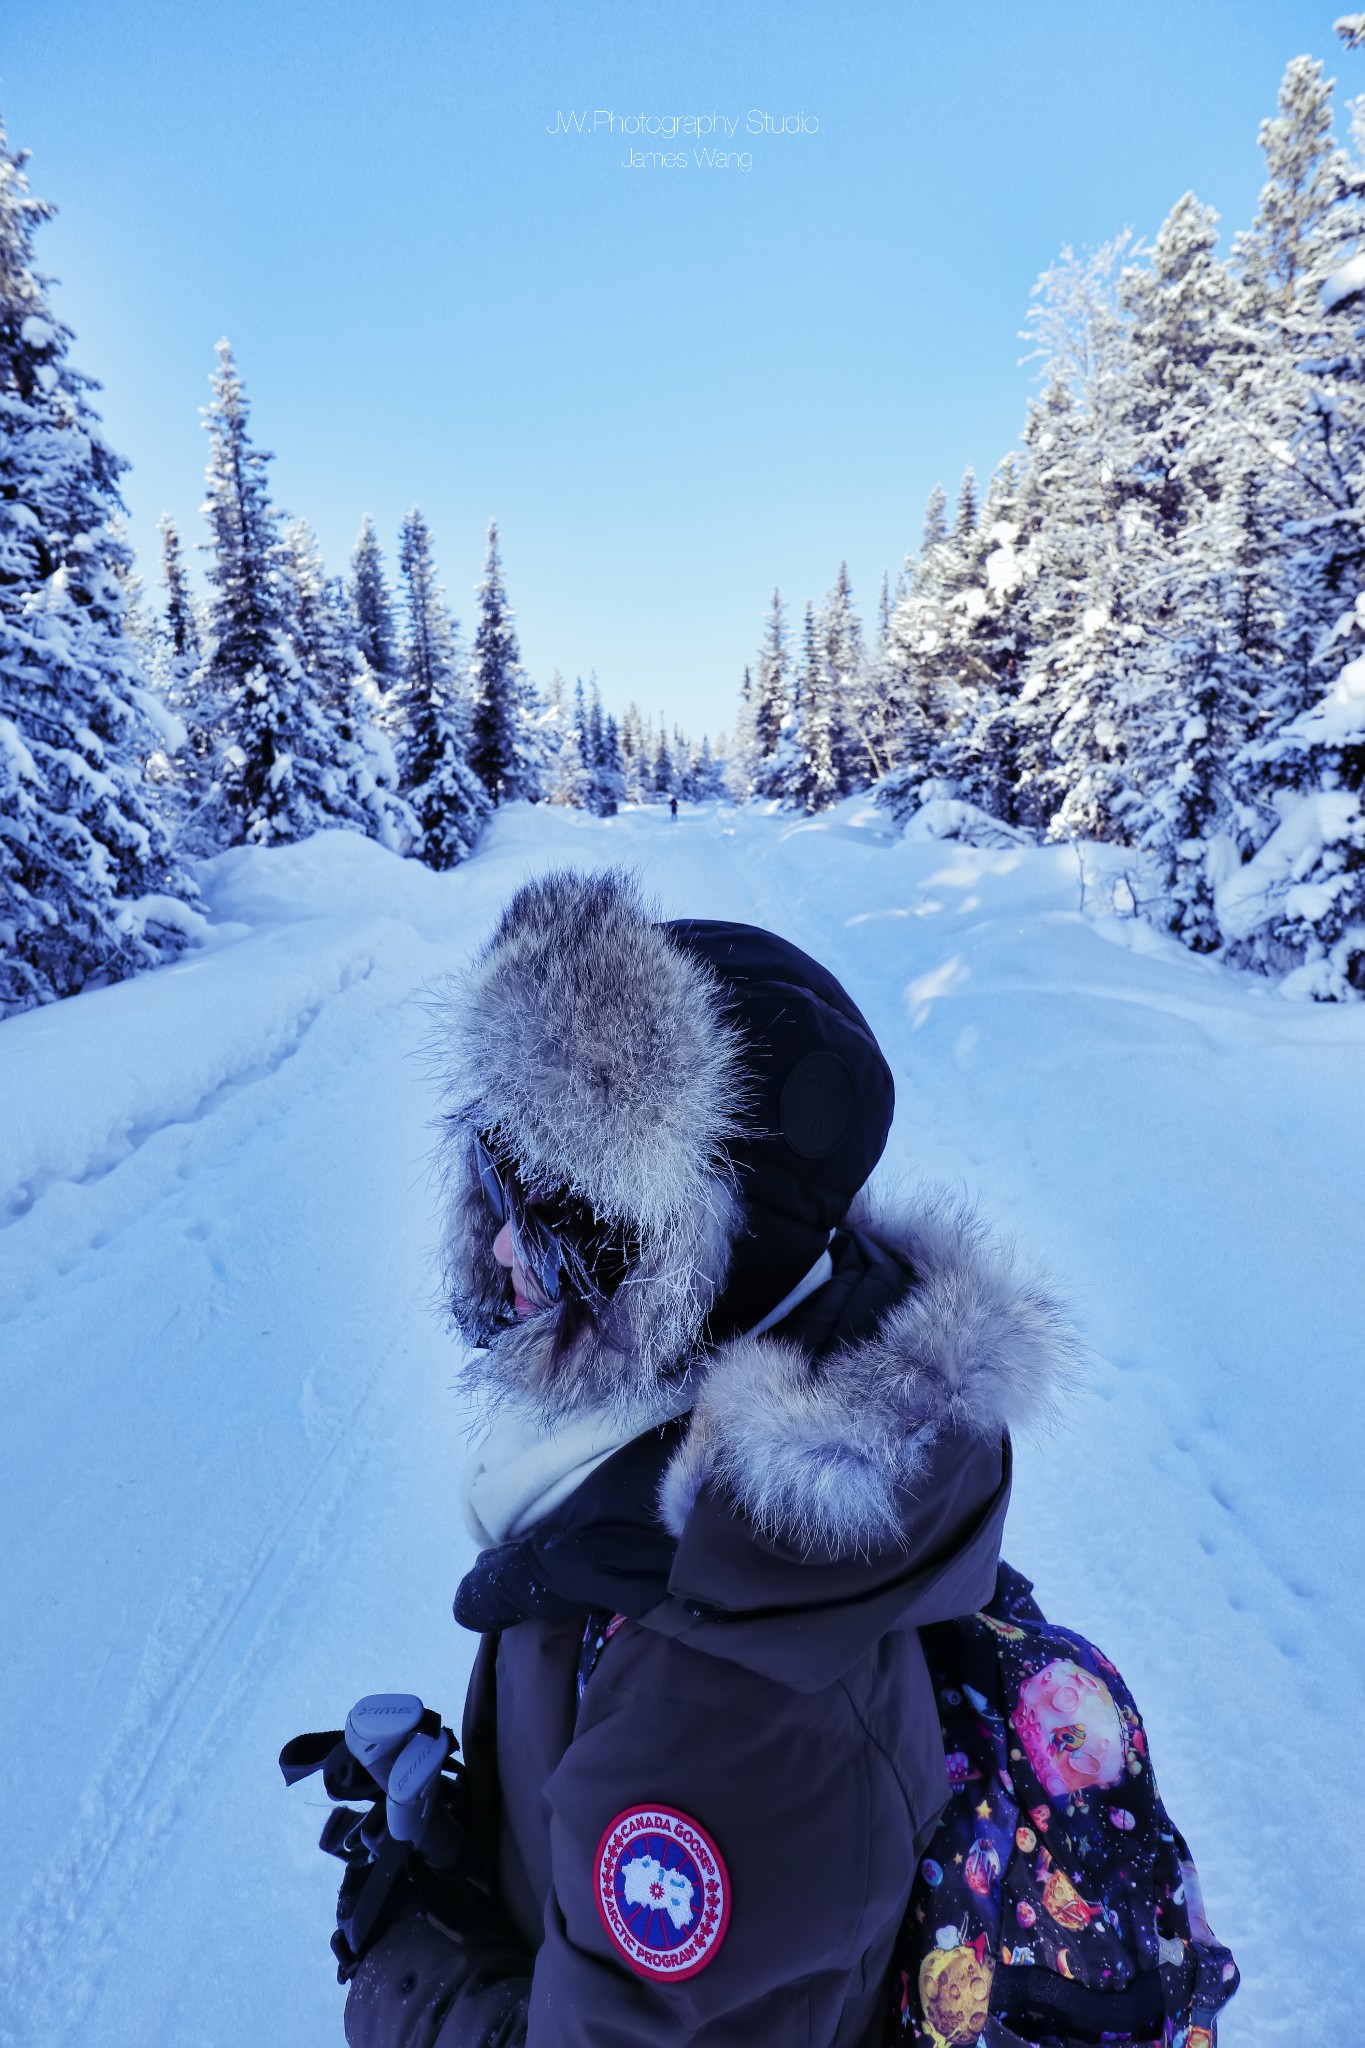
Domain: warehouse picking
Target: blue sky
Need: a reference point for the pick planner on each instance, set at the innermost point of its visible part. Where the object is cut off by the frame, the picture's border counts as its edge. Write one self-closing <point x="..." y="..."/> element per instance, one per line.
<point x="674" y="388"/>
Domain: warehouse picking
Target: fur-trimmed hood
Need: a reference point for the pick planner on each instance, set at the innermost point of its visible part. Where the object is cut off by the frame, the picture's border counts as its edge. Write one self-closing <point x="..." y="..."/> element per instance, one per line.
<point x="847" y="1475"/>
<point x="716" y="1091"/>
<point x="597" y="1053"/>
<point x="706" y="1087"/>
<point x="830" y="1453"/>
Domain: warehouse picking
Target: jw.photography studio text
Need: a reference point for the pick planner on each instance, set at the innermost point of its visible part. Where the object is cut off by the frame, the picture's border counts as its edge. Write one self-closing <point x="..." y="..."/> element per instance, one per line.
<point x="715" y="137"/>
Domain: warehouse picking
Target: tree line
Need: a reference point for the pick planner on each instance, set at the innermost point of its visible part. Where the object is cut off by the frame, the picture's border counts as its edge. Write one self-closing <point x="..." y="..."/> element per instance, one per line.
<point x="1150" y="629"/>
<point x="136" y="738"/>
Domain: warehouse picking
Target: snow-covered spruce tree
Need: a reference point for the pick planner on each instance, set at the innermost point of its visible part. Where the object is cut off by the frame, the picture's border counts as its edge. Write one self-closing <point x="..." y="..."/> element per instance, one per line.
<point x="611" y="774"/>
<point x="898" y="710"/>
<point x="1188" y="686"/>
<point x="774" y="708"/>
<point x="139" y="628"/>
<point x="983" y="637"/>
<point x="1298" y="430"/>
<point x="1298" y="906"/>
<point x="709" y="775"/>
<point x="687" y="757"/>
<point x="363" y="772"/>
<point x="664" y="772"/>
<point x="814" y="781"/>
<point x="600" y="745"/>
<point x="318" y="627"/>
<point x="566" y="777"/>
<point x="500" y="749"/>
<point x="853" y="752"/>
<point x="286" y="771"/>
<point x="89" y="889"/>
<point x="925" y="684"/>
<point x="185" y="768"/>
<point x="742" y="764"/>
<point x="448" y="799"/>
<point x="184" y="645"/>
<point x="684" y="766"/>
<point x="636" y="757"/>
<point x="376" y="637"/>
<point x="1296" y="414"/>
<point x="1091" y="553"/>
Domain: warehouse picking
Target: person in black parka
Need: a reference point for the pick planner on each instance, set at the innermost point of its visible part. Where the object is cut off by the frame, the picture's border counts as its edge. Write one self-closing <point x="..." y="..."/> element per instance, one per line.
<point x="743" y="1442"/>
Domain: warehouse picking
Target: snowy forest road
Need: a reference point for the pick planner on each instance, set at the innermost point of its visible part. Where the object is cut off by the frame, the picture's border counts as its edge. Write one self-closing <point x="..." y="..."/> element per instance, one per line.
<point x="230" y="1436"/>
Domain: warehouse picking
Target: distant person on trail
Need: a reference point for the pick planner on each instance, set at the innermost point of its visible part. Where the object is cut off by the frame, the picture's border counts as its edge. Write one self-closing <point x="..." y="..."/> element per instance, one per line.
<point x="672" y="807"/>
<point x="748" y="1432"/>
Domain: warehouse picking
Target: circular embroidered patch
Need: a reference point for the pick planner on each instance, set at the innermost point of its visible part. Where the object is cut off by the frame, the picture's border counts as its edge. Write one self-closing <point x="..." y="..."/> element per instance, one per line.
<point x="817" y="1105"/>
<point x="662" y="1891"/>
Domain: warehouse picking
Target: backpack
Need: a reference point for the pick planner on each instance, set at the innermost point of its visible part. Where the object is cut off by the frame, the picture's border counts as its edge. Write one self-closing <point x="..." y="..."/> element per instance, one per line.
<point x="1056" y="1903"/>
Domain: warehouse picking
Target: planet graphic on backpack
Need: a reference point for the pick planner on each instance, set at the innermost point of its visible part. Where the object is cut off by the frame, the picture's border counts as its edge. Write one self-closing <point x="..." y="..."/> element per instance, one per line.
<point x="1070" y="1728"/>
<point x="955" y="1989"/>
<point x="1061" y="1900"/>
<point x="982" y="1866"/>
<point x="959" y="1768"/>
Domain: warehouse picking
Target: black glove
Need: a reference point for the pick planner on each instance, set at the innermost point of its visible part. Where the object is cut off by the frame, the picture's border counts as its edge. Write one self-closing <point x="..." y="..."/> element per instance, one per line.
<point x="410" y="1848"/>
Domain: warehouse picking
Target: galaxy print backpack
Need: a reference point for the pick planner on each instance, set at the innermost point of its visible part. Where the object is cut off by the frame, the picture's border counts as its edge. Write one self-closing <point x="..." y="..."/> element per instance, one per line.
<point x="1057" y="1903"/>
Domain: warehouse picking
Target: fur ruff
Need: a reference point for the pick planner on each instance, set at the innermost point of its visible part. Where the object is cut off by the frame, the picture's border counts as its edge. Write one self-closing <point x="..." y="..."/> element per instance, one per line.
<point x="827" y="1454"/>
<point x="597" y="1051"/>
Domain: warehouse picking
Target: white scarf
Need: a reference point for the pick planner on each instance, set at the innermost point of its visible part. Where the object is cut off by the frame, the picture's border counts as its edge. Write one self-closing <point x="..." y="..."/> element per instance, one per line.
<point x="520" y="1471"/>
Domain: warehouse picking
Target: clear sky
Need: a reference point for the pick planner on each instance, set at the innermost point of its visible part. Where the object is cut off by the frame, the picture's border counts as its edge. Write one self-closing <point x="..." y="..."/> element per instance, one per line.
<point x="673" y="387"/>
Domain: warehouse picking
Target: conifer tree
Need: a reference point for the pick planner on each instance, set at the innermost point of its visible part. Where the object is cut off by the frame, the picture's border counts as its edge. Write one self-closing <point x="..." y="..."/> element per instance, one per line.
<point x="601" y="750"/>
<point x="89" y="889"/>
<point x="1184" y="714"/>
<point x="815" y="783"/>
<point x="448" y="799"/>
<point x="498" y="753"/>
<point x="710" y="773"/>
<point x="376" y="639"/>
<point x="773" y="707"/>
<point x="611" y="776"/>
<point x="1298" y="905"/>
<point x="286" y="771"/>
<point x="663" y="764"/>
<point x="979" y="753"/>
<point x="743" y="764"/>
<point x="636" y="759"/>
<point x="318" y="629"/>
<point x="845" y="715"/>
<point x="1093" y="554"/>
<point x="1298" y="396"/>
<point x="1309" y="205"/>
<point x="935" y="522"/>
<point x="896" y="721"/>
<point x="182" y="624"/>
<point x="185" y="769"/>
<point x="358" y="767"/>
<point x="566" y="772"/>
<point x="964" y="526"/>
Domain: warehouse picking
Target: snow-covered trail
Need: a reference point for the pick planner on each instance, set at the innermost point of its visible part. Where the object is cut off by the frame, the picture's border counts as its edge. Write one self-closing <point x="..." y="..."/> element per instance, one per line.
<point x="225" y="1498"/>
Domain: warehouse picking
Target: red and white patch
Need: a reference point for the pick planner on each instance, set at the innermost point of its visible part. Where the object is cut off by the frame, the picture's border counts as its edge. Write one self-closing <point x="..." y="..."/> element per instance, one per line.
<point x="663" y="1892"/>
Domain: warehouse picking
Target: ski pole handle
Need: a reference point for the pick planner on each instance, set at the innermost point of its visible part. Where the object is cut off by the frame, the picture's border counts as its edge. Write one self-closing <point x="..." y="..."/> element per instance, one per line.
<point x="378" y="1726"/>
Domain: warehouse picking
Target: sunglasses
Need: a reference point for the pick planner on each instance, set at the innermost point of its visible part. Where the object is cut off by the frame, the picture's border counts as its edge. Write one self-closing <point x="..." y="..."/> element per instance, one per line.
<point x="561" y="1245"/>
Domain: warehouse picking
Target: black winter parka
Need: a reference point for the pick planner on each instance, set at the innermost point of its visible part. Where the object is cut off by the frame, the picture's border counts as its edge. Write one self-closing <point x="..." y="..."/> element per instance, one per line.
<point x="702" y="1749"/>
<point x="772" y="1693"/>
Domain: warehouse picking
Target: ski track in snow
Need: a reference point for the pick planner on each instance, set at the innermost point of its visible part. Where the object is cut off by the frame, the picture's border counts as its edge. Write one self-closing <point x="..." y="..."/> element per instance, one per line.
<point x="23" y="1197"/>
<point x="231" y="1430"/>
